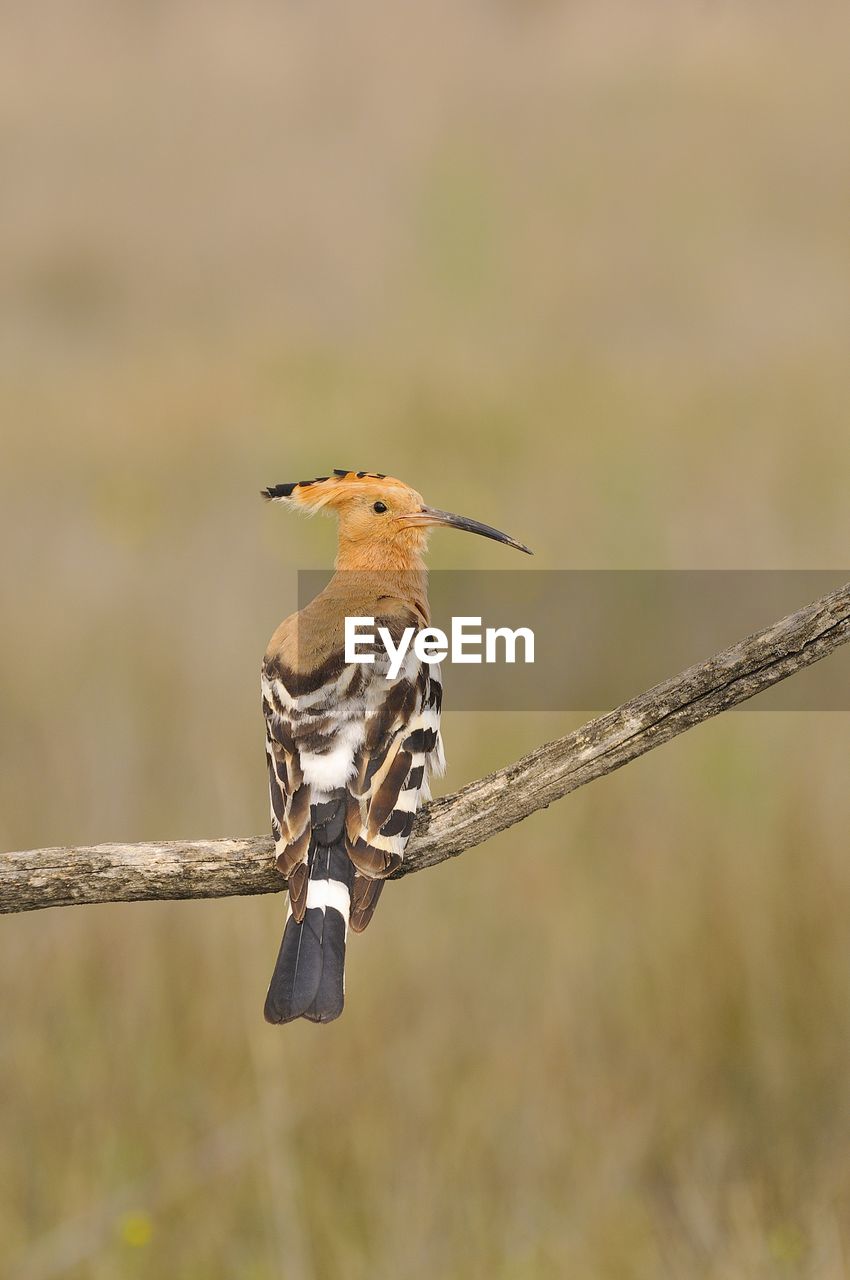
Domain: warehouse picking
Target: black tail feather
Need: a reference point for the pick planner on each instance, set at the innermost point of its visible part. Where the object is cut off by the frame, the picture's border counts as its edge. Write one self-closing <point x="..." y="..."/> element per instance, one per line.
<point x="330" y="996"/>
<point x="309" y="976"/>
<point x="298" y="971"/>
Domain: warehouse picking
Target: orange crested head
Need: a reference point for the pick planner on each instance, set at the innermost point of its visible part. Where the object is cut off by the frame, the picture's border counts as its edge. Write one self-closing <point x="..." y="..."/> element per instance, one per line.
<point x="382" y="521"/>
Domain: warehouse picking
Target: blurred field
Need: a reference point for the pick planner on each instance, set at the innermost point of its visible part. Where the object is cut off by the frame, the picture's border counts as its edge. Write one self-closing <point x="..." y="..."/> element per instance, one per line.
<point x="582" y="271"/>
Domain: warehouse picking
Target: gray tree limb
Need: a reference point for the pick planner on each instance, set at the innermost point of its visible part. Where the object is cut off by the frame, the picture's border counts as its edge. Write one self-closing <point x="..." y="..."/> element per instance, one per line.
<point x="56" y="877"/>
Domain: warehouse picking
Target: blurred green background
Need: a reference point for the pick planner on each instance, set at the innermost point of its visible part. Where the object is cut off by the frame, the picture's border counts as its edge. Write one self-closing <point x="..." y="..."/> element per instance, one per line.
<point x="578" y="270"/>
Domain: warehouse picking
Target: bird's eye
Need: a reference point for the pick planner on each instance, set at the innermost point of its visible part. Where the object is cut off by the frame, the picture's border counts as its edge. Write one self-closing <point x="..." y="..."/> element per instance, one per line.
<point x="379" y="508"/>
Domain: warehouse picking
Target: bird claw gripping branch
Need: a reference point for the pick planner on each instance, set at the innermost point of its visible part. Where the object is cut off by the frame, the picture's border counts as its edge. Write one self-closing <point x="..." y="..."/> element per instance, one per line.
<point x="350" y="749"/>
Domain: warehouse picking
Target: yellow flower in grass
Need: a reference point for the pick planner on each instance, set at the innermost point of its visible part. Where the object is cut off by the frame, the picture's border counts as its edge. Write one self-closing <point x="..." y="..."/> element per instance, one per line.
<point x="136" y="1229"/>
<point x="786" y="1244"/>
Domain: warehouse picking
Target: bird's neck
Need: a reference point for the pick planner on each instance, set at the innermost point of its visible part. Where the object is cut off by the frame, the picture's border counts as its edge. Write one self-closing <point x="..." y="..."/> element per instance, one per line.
<point x="366" y="569"/>
<point x="370" y="557"/>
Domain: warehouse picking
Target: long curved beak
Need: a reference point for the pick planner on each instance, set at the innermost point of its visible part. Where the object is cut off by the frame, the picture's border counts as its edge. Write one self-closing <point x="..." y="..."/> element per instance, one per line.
<point x="433" y="516"/>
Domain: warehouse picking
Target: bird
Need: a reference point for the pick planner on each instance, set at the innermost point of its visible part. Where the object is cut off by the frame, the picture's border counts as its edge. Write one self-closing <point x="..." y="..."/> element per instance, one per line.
<point x="350" y="750"/>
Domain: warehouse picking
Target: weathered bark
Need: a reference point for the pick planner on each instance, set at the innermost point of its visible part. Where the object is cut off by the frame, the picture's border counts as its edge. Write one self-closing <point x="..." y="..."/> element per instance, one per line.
<point x="218" y="868"/>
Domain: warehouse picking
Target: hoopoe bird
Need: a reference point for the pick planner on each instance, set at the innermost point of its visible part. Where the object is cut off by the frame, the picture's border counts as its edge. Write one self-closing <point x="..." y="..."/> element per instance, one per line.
<point x="350" y="750"/>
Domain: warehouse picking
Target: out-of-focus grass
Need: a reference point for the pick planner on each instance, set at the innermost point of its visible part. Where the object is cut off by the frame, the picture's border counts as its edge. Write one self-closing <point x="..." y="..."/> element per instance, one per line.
<point x="581" y="273"/>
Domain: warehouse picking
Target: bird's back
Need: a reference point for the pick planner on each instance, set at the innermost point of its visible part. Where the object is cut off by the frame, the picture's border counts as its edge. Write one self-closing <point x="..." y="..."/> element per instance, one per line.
<point x="350" y="752"/>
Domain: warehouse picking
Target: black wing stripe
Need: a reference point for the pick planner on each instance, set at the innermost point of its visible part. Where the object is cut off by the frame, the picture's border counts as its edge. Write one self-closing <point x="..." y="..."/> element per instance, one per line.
<point x="398" y="823"/>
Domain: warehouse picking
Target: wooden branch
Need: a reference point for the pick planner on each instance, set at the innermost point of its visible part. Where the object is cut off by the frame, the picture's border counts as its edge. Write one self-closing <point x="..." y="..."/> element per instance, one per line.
<point x="218" y="868"/>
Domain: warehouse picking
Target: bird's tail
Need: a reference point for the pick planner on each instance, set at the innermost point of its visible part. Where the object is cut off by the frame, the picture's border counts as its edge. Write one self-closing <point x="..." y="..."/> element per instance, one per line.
<point x="309" y="976"/>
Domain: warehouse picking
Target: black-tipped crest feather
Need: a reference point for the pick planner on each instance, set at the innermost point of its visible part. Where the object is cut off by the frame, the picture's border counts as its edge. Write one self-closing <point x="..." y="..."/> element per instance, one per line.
<point x="280" y="492"/>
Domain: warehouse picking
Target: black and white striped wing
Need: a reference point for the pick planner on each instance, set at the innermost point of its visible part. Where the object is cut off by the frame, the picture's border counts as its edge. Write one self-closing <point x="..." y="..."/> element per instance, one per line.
<point x="402" y="749"/>
<point x="289" y="792"/>
<point x="375" y="740"/>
